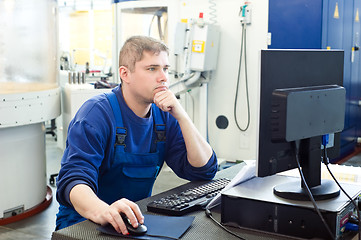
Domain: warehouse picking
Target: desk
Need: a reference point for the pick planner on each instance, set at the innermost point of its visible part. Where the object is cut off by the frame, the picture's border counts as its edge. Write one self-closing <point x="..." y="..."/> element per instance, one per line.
<point x="203" y="228"/>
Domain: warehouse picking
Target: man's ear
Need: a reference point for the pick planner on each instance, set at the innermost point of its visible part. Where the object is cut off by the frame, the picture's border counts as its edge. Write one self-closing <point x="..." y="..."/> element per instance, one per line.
<point x="123" y="73"/>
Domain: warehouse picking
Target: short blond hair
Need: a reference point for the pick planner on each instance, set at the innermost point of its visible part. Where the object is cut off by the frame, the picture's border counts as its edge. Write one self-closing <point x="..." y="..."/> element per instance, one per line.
<point x="134" y="47"/>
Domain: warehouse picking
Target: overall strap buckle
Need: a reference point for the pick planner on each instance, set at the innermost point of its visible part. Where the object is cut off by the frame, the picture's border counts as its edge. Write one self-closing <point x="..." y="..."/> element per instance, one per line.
<point x="160" y="131"/>
<point x="120" y="135"/>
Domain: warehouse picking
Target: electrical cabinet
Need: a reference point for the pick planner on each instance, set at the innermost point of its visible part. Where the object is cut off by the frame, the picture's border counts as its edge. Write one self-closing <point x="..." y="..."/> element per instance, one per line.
<point x="205" y="45"/>
<point x="334" y="24"/>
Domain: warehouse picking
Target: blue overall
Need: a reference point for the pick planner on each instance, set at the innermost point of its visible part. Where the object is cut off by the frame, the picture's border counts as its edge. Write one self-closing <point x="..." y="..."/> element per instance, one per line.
<point x="131" y="175"/>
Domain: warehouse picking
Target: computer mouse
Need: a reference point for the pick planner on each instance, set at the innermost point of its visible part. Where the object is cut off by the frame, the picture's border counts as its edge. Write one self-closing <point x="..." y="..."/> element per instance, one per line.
<point x="140" y="230"/>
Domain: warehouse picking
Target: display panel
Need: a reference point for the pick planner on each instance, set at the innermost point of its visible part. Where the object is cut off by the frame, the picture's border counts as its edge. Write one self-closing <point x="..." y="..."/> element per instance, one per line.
<point x="287" y="69"/>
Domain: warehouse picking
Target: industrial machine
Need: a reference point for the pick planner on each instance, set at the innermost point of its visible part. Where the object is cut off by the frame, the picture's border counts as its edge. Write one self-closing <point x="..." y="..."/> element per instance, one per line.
<point x="29" y="96"/>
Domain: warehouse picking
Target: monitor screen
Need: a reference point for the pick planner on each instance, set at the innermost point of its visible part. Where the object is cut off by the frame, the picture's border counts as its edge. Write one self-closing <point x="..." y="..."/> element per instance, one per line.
<point x="281" y="70"/>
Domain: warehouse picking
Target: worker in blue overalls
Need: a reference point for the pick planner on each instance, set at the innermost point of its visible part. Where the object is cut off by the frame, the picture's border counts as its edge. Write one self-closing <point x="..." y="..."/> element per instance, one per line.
<point x="117" y="142"/>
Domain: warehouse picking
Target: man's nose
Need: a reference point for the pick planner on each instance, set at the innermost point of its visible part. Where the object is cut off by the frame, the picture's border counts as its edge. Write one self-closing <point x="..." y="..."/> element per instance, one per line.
<point x="163" y="76"/>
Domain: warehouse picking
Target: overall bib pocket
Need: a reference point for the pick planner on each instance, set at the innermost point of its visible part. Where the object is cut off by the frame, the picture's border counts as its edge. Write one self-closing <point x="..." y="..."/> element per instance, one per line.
<point x="140" y="179"/>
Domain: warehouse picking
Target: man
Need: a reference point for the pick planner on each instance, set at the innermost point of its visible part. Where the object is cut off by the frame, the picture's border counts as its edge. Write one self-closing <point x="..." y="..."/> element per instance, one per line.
<point x="117" y="142"/>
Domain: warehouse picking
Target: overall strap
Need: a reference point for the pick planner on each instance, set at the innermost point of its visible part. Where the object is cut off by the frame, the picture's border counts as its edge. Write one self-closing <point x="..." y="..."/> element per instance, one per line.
<point x="159" y="125"/>
<point x="121" y="131"/>
<point x="160" y="129"/>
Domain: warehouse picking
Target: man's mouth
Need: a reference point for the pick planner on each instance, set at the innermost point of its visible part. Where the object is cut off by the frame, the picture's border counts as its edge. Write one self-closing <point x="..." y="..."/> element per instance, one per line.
<point x="161" y="87"/>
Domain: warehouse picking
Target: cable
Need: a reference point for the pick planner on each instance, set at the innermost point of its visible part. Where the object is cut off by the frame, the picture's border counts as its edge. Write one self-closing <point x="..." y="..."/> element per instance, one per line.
<point x="353" y="202"/>
<point x="150" y="25"/>
<point x="209" y="214"/>
<point x="165" y="31"/>
<point x="157" y="14"/>
<point x="243" y="42"/>
<point x="161" y="37"/>
<point x="207" y="126"/>
<point x="326" y="162"/>
<point x="213" y="11"/>
<point x="192" y="101"/>
<point x="296" y="147"/>
<point x="338" y="184"/>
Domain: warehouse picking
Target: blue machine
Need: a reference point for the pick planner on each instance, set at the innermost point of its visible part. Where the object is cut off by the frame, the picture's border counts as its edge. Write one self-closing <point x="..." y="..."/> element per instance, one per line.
<point x="315" y="24"/>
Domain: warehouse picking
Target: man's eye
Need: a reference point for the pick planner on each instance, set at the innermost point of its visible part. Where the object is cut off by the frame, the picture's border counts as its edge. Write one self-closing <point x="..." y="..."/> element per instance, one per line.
<point x="151" y="69"/>
<point x="165" y="69"/>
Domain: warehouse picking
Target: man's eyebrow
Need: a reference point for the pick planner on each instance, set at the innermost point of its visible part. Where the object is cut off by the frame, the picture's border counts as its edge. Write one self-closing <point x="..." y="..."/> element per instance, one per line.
<point x="156" y="65"/>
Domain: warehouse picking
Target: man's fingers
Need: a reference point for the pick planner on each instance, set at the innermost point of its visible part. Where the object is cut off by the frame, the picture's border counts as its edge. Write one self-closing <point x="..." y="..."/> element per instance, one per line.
<point x="133" y="213"/>
<point x="138" y="214"/>
<point x="117" y="222"/>
<point x="130" y="210"/>
<point x="164" y="100"/>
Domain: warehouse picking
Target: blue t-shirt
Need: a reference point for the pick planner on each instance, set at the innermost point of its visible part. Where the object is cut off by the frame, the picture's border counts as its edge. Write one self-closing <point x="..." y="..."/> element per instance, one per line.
<point x="90" y="145"/>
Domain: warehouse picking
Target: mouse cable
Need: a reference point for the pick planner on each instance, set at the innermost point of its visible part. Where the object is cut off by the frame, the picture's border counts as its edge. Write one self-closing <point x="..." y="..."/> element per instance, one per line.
<point x="209" y="214"/>
<point x="297" y="148"/>
<point x="326" y="161"/>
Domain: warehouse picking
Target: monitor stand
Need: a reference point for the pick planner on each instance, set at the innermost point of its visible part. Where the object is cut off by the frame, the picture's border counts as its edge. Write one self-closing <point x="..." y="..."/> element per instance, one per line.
<point x="294" y="190"/>
<point x="310" y="163"/>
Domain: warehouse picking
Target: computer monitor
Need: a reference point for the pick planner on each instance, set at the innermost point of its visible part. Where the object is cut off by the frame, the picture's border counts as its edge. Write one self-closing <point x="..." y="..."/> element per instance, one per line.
<point x="302" y="74"/>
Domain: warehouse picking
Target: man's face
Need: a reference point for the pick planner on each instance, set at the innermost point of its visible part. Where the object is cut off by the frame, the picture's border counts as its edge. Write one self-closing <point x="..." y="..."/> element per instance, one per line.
<point x="150" y="75"/>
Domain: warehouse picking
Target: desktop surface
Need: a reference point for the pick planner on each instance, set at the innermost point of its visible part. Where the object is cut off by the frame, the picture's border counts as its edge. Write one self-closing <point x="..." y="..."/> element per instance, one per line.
<point x="203" y="228"/>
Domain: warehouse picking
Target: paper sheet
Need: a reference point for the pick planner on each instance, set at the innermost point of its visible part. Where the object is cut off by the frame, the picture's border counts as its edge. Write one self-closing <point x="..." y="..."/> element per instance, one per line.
<point x="247" y="172"/>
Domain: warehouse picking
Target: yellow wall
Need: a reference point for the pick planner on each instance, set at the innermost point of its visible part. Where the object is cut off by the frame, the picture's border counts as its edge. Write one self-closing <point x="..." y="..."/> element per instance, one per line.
<point x="80" y="35"/>
<point x="103" y="34"/>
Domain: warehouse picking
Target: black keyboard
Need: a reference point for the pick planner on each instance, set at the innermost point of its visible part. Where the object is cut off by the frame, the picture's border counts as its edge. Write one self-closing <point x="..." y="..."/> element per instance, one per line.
<point x="188" y="201"/>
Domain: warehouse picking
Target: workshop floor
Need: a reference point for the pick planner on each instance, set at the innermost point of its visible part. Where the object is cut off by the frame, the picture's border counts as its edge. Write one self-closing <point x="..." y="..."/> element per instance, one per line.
<point x="353" y="160"/>
<point x="41" y="226"/>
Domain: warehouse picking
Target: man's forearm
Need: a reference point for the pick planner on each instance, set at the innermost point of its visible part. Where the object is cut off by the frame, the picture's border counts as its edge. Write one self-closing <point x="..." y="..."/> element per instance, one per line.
<point x="198" y="150"/>
<point x="86" y="203"/>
